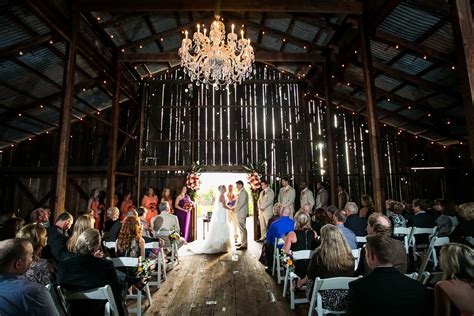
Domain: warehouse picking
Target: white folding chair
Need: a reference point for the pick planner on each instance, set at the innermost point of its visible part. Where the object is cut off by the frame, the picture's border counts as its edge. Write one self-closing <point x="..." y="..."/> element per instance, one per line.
<point x="340" y="283"/>
<point x="110" y="244"/>
<point x="276" y="267"/>
<point x="60" y="305"/>
<point x="356" y="255"/>
<point x="420" y="231"/>
<point x="290" y="276"/>
<point x="101" y="293"/>
<point x="423" y="278"/>
<point x="431" y="252"/>
<point x="161" y="264"/>
<point x="127" y="262"/>
<point x="404" y="232"/>
<point x="413" y="275"/>
<point x="432" y="279"/>
<point x="361" y="239"/>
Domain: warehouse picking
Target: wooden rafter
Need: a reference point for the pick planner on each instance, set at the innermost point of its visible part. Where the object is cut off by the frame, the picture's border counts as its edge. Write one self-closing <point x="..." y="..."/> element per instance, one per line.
<point x="30" y="44"/>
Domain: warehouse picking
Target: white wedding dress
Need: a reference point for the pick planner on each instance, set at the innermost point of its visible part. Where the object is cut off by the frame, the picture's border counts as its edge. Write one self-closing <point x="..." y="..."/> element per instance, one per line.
<point x="218" y="238"/>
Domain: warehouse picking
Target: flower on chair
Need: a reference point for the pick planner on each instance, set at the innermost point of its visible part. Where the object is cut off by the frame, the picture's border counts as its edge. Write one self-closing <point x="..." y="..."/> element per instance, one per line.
<point x="287" y="260"/>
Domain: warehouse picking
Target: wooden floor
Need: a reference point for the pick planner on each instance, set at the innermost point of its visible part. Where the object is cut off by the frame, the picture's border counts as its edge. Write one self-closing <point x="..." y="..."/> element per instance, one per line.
<point x="218" y="285"/>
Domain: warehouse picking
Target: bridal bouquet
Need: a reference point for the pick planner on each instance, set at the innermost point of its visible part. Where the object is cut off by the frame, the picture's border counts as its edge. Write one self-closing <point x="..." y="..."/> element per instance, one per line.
<point x="287" y="260"/>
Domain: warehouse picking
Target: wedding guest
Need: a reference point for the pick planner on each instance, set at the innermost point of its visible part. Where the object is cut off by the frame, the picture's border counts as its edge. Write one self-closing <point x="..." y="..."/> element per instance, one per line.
<point x="421" y="219"/>
<point x="183" y="207"/>
<point x="447" y="219"/>
<point x="333" y="258"/>
<point x="87" y="270"/>
<point x="464" y="232"/>
<point x="279" y="229"/>
<point x="386" y="291"/>
<point x="40" y="216"/>
<point x="342" y="196"/>
<point x="58" y="236"/>
<point x="454" y="295"/>
<point x="125" y="205"/>
<point x="302" y="238"/>
<point x="367" y="206"/>
<point x="321" y="218"/>
<point x="276" y="214"/>
<point x="115" y="229"/>
<point x="150" y="202"/>
<point x="11" y="227"/>
<point x="19" y="296"/>
<point x="396" y="217"/>
<point x="353" y="222"/>
<point x="286" y="196"/>
<point x="339" y="219"/>
<point x="83" y="223"/>
<point x="322" y="196"/>
<point x="164" y="224"/>
<point x="265" y="208"/>
<point x="40" y="270"/>
<point x="232" y="216"/>
<point x="113" y="214"/>
<point x="130" y="242"/>
<point x="306" y="196"/>
<point x="389" y="204"/>
<point x="166" y="198"/>
<point x="93" y="204"/>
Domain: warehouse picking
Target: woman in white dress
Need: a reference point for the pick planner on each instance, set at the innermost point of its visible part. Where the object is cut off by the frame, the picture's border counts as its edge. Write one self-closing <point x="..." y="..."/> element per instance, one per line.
<point x="218" y="238"/>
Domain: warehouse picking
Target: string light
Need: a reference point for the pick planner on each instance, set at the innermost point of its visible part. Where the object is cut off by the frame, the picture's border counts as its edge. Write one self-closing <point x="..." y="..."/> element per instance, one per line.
<point x="21" y="53"/>
<point x="19" y="114"/>
<point x="424" y="57"/>
<point x="111" y="36"/>
<point x="141" y="46"/>
<point x="409" y="107"/>
<point x="263" y="32"/>
<point x="41" y="106"/>
<point x="453" y="67"/>
<point x="397" y="46"/>
<point x="123" y="50"/>
<point x="429" y="114"/>
<point x="98" y="18"/>
<point x="343" y="65"/>
<point x="51" y="42"/>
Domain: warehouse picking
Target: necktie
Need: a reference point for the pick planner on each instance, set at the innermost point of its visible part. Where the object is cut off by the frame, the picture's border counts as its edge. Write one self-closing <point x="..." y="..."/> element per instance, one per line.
<point x="264" y="192"/>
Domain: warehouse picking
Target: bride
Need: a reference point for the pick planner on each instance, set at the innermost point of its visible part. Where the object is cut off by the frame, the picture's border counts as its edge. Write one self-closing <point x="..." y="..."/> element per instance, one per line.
<point x="218" y="238"/>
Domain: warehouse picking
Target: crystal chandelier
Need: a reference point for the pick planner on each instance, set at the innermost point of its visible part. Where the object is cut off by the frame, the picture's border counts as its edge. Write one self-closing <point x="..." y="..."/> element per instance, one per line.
<point x="213" y="60"/>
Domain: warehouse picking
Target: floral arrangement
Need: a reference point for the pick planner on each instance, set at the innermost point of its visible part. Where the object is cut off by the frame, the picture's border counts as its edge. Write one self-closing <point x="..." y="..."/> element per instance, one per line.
<point x="254" y="175"/>
<point x="192" y="180"/>
<point x="174" y="236"/>
<point x="287" y="260"/>
<point x="154" y="253"/>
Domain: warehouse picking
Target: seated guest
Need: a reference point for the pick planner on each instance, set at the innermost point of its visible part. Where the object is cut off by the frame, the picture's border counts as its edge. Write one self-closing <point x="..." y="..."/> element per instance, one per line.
<point x="333" y="258"/>
<point x="165" y="223"/>
<point x="142" y="216"/>
<point x="11" y="227"/>
<point x="421" y="219"/>
<point x="112" y="216"/>
<point x="454" y="295"/>
<point x="380" y="224"/>
<point x="321" y="218"/>
<point x="302" y="238"/>
<point x="58" y="236"/>
<point x="339" y="219"/>
<point x="278" y="229"/>
<point x="353" y="222"/>
<point x="276" y="213"/>
<point x="464" y="232"/>
<point x="130" y="242"/>
<point x="83" y="223"/>
<point x="115" y="229"/>
<point x="367" y="206"/>
<point x="40" y="216"/>
<point x="396" y="217"/>
<point x="389" y="207"/>
<point x="126" y="204"/>
<point x="87" y="271"/>
<point x="386" y="291"/>
<point x="331" y="209"/>
<point x="40" y="269"/>
<point x="447" y="220"/>
<point x="19" y="296"/>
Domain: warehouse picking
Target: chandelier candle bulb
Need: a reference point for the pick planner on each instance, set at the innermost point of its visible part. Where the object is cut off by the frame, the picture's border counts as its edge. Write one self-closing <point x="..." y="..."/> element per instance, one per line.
<point x="186" y="34"/>
<point x="198" y="27"/>
<point x="233" y="28"/>
<point x="242" y="33"/>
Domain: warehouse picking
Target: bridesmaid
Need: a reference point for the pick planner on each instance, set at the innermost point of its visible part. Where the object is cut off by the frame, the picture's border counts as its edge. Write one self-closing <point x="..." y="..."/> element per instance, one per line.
<point x="125" y="206"/>
<point x="93" y="204"/>
<point x="182" y="206"/>
<point x="166" y="198"/>
<point x="150" y="202"/>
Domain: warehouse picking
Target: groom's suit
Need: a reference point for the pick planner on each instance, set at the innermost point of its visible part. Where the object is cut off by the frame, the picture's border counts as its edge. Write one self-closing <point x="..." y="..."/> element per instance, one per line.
<point x="242" y="210"/>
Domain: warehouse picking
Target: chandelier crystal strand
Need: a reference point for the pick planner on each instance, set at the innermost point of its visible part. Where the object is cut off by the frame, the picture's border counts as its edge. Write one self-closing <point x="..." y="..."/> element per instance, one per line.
<point x="213" y="60"/>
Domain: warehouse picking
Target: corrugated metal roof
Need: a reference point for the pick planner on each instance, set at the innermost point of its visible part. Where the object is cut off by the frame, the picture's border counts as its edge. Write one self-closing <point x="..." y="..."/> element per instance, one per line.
<point x="382" y="52"/>
<point x="9" y="34"/>
<point x="162" y="22"/>
<point x="386" y="83"/>
<point x="412" y="114"/>
<point x="304" y="30"/>
<point x="355" y="71"/>
<point x="136" y="29"/>
<point x="252" y="34"/>
<point x="442" y="40"/>
<point x="343" y="88"/>
<point x="277" y="22"/>
<point x="433" y="136"/>
<point x="408" y="21"/>
<point x="410" y="92"/>
<point x="441" y="101"/>
<point x="323" y="37"/>
<point x="384" y="104"/>
<point x="46" y="62"/>
<point x="30" y="20"/>
<point x="414" y="128"/>
<point x="115" y="35"/>
<point x="411" y="64"/>
<point x="290" y="48"/>
<point x="441" y="75"/>
<point x="271" y="42"/>
<point x="393" y="121"/>
<point x="171" y="42"/>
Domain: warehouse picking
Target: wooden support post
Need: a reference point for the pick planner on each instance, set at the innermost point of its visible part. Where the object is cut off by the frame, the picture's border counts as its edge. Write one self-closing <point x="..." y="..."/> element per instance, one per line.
<point x="332" y="163"/>
<point x="112" y="170"/>
<point x="138" y="156"/>
<point x="65" y="119"/>
<point x="374" y="133"/>
<point x="464" y="41"/>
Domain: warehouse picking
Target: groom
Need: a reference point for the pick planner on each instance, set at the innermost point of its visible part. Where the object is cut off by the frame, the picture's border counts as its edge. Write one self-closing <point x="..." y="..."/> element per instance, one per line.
<point x="241" y="208"/>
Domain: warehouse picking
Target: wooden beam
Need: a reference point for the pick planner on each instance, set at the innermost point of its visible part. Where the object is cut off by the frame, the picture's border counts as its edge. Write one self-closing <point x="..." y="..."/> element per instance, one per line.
<point x="139" y="143"/>
<point x="464" y="39"/>
<point x="374" y="133"/>
<point x="332" y="166"/>
<point x="27" y="193"/>
<point x="25" y="46"/>
<point x="259" y="56"/>
<point x="307" y="6"/>
<point x="65" y="118"/>
<point x="111" y="174"/>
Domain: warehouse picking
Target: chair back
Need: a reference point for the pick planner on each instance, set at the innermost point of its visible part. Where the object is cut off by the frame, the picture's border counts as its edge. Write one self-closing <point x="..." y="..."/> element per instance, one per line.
<point x="361" y="239"/>
<point x="406" y="233"/>
<point x="413" y="275"/>
<point x="60" y="305"/>
<point x="301" y="255"/>
<point x="356" y="255"/>
<point x="152" y="245"/>
<point x="338" y="283"/>
<point x="127" y="262"/>
<point x="110" y="244"/>
<point x="101" y="293"/>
